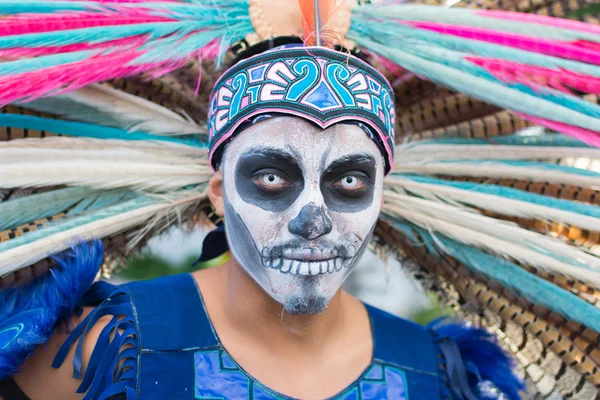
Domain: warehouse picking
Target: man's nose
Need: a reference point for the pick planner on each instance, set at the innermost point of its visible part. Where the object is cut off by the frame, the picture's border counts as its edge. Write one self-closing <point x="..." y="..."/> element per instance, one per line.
<point x="311" y="222"/>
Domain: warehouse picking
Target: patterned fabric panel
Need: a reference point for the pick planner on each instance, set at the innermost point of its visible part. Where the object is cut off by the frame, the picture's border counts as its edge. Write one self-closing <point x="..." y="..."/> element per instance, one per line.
<point x="321" y="85"/>
<point x="218" y="376"/>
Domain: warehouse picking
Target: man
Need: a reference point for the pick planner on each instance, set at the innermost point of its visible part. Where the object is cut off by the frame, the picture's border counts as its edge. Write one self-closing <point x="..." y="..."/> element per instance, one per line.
<point x="300" y="204"/>
<point x="301" y="138"/>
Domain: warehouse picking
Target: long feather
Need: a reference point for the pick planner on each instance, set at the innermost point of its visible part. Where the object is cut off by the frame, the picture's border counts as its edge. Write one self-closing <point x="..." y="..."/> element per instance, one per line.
<point x="35" y="246"/>
<point x="104" y="174"/>
<point x="150" y="146"/>
<point x="483" y="88"/>
<point x="94" y="131"/>
<point x="311" y="21"/>
<point x="183" y="31"/>
<point x="439" y="152"/>
<point x="518" y="280"/>
<point x="19" y="211"/>
<point x="497" y="236"/>
<point x="535" y="172"/>
<point x="103" y="105"/>
<point x="507" y="201"/>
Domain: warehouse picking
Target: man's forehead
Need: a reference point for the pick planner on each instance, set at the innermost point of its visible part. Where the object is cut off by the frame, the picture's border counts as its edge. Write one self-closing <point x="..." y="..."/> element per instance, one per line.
<point x="304" y="141"/>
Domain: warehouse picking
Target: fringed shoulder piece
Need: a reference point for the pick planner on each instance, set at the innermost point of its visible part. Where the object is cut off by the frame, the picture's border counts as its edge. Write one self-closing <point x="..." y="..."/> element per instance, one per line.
<point x="473" y="364"/>
<point x="112" y="368"/>
<point x="29" y="314"/>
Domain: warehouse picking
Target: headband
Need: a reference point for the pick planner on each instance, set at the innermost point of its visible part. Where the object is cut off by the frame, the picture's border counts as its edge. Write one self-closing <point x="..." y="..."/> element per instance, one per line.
<point x="315" y="83"/>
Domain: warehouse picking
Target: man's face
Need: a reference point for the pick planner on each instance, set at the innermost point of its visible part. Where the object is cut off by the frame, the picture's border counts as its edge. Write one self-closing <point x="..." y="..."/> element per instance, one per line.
<point x="300" y="206"/>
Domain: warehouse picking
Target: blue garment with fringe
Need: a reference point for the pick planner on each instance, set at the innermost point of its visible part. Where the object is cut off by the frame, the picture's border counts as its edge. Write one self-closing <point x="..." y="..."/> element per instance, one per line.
<point x="160" y="344"/>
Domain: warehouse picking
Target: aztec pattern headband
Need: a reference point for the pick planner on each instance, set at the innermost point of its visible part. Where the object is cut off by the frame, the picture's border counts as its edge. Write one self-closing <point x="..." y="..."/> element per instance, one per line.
<point x="321" y="85"/>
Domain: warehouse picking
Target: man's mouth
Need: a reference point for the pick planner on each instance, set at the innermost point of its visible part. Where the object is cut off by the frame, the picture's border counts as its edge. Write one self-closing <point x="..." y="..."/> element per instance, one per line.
<point x="299" y="266"/>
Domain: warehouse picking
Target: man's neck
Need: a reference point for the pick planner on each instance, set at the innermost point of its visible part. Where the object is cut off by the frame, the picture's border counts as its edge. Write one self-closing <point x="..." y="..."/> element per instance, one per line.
<point x="250" y="309"/>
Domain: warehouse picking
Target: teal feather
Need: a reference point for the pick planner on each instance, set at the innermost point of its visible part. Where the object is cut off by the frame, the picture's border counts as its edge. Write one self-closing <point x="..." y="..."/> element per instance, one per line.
<point x="457" y="60"/>
<point x="510" y="193"/>
<point x="482" y="88"/>
<point x="519" y="139"/>
<point x="398" y="34"/>
<point x="13" y="7"/>
<point x="98" y="34"/>
<point x="173" y="48"/>
<point x="22" y="210"/>
<point x="550" y="140"/>
<point x="64" y="225"/>
<point x="80" y="129"/>
<point x="534" y="164"/>
<point x="470" y="17"/>
<point x="102" y="200"/>
<point x="516" y="279"/>
<point x="34" y="64"/>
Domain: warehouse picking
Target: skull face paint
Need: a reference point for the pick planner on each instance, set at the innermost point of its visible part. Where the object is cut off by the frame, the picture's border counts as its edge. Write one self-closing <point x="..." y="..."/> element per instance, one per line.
<point x="300" y="206"/>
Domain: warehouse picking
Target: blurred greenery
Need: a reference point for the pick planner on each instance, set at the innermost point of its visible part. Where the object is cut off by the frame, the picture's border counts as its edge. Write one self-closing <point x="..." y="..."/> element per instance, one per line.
<point x="149" y="266"/>
<point x="434" y="311"/>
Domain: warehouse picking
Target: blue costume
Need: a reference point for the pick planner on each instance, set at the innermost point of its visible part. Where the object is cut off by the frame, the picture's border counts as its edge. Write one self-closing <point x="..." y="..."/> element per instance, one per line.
<point x="166" y="348"/>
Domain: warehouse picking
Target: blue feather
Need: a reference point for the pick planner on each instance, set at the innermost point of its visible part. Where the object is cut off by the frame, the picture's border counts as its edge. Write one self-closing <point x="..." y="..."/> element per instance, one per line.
<point x="81" y="129"/>
<point x="35" y="64"/>
<point x="30" y="313"/>
<point x="483" y="359"/>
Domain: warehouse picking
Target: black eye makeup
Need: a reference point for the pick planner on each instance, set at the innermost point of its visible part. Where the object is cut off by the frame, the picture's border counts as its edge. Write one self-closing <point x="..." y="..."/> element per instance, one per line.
<point x="269" y="178"/>
<point x="348" y="184"/>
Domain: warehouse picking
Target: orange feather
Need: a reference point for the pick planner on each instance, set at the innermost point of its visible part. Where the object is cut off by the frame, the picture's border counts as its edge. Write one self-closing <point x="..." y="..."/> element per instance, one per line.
<point x="327" y="9"/>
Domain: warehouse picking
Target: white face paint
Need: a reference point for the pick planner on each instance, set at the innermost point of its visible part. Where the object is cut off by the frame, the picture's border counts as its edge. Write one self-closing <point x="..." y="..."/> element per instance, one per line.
<point x="300" y="206"/>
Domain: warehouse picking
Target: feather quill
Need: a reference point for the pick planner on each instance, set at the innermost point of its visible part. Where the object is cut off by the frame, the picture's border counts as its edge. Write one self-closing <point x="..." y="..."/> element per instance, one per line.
<point x="315" y="23"/>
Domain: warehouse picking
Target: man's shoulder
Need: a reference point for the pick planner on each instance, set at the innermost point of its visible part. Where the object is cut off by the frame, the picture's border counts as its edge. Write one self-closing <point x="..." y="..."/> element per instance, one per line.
<point x="402" y="342"/>
<point x="168" y="281"/>
<point x="392" y="321"/>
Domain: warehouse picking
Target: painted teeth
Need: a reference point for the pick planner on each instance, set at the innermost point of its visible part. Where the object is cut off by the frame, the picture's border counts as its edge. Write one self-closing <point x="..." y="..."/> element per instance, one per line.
<point x="306" y="268"/>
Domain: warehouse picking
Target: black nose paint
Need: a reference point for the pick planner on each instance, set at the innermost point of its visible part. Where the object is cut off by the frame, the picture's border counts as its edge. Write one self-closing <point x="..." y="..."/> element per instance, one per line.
<point x="311" y="222"/>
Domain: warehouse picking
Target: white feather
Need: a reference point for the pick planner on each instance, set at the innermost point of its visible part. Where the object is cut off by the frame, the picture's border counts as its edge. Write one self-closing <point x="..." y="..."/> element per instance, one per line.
<point x="80" y="143"/>
<point x="502" y="205"/>
<point x="499" y="237"/>
<point x="103" y="174"/>
<point x="436" y="152"/>
<point x="107" y="106"/>
<point x="500" y="171"/>
<point x="22" y="256"/>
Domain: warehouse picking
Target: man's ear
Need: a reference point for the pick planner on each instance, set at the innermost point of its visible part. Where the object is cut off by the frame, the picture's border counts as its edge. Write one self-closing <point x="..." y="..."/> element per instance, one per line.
<point x="215" y="193"/>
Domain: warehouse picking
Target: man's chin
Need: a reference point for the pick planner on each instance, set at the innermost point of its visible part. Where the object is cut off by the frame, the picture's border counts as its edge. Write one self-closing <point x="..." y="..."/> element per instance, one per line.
<point x="303" y="305"/>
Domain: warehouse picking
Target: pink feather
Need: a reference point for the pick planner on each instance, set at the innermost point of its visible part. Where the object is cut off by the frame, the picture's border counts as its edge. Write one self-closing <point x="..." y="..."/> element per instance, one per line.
<point x="585" y="135"/>
<point x="34" y="23"/>
<point x="534" y="77"/>
<point x="541" y="19"/>
<point x="537" y="45"/>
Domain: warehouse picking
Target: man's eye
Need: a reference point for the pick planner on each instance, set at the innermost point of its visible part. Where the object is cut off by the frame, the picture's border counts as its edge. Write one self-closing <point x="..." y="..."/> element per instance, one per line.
<point x="270" y="181"/>
<point x="350" y="183"/>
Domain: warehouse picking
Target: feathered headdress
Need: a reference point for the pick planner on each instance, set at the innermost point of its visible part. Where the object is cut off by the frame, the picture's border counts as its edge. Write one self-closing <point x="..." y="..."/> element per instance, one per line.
<point x="493" y="198"/>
